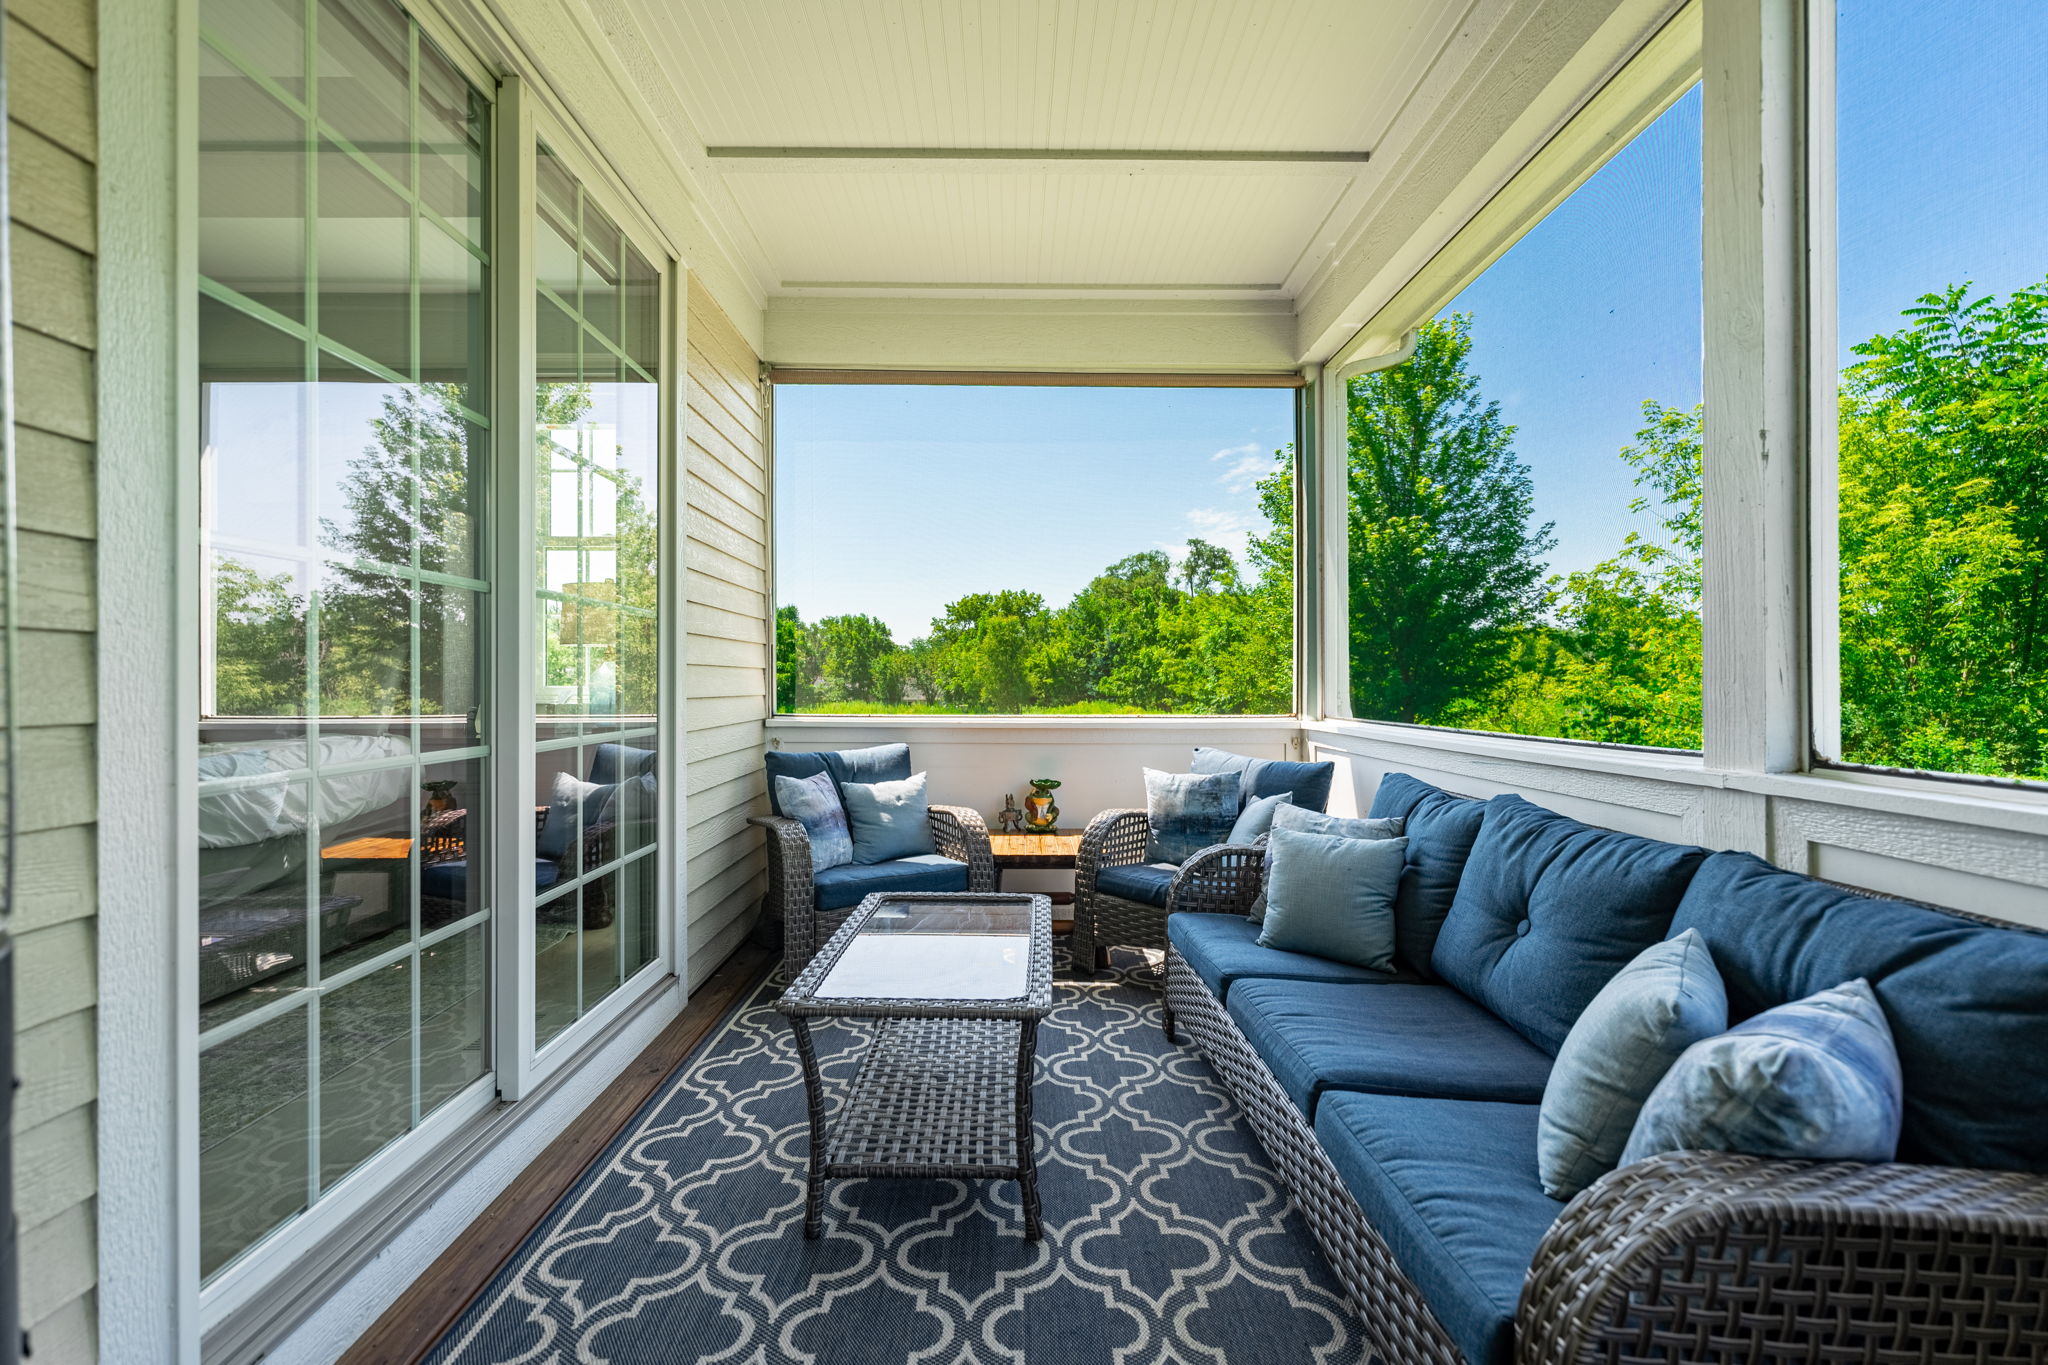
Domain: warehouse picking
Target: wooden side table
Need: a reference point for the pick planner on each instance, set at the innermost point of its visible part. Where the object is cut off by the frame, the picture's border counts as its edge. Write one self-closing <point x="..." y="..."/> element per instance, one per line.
<point x="1038" y="851"/>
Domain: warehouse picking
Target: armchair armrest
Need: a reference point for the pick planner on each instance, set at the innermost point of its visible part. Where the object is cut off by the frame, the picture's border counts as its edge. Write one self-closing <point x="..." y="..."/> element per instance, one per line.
<point x="1221" y="879"/>
<point x="1114" y="838"/>
<point x="1705" y="1255"/>
<point x="960" y="834"/>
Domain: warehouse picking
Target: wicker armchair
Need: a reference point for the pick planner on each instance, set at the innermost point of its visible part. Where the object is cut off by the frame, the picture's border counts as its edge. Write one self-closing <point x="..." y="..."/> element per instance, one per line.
<point x="957" y="833"/>
<point x="1222" y="877"/>
<point x="1693" y="1256"/>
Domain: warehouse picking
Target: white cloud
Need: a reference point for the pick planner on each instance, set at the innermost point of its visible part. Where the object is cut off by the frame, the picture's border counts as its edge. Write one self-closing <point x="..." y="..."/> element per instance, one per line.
<point x="1245" y="465"/>
<point x="1227" y="527"/>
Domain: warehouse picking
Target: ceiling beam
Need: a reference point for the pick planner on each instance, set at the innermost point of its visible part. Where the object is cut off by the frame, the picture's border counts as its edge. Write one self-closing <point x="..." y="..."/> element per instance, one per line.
<point x="1015" y="160"/>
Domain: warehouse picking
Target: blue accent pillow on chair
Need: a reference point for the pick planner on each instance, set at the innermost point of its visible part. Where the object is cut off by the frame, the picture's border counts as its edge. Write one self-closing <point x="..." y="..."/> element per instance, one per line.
<point x="1333" y="897"/>
<point x="1655" y="1008"/>
<point x="811" y="802"/>
<point x="570" y="795"/>
<point x="1815" y="1080"/>
<point x="889" y="820"/>
<point x="1257" y="817"/>
<point x="1187" y="812"/>
<point x="1308" y="783"/>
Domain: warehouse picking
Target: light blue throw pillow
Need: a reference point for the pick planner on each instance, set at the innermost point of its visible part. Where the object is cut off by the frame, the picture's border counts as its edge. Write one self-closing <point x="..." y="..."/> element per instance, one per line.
<point x="890" y="820"/>
<point x="1257" y="817"/>
<point x="1333" y="897"/>
<point x="570" y="796"/>
<point x="1187" y="812"/>
<point x="813" y="803"/>
<point x="1815" y="1080"/>
<point x="1301" y="820"/>
<point x="1656" y="1007"/>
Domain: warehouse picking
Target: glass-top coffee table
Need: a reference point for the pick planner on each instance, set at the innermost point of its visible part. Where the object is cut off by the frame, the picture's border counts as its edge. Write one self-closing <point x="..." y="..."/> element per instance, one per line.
<point x="957" y="983"/>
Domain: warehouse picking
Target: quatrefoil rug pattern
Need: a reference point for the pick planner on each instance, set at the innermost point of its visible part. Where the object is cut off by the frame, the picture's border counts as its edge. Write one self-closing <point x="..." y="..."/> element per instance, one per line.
<point x="1168" y="1237"/>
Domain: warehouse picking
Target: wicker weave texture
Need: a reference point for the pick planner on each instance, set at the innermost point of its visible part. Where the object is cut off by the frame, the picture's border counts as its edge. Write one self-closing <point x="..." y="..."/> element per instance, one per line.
<point x="1220" y="878"/>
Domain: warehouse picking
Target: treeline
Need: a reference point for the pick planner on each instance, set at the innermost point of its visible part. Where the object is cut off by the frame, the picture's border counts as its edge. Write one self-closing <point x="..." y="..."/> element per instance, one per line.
<point x="1456" y="620"/>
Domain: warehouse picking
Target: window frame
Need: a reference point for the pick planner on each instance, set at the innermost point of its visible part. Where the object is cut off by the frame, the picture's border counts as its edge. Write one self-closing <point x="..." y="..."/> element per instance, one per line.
<point x="1301" y="381"/>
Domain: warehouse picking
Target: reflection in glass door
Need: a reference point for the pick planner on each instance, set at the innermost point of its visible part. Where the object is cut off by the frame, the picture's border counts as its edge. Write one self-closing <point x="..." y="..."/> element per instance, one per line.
<point x="596" y="472"/>
<point x="343" y="917"/>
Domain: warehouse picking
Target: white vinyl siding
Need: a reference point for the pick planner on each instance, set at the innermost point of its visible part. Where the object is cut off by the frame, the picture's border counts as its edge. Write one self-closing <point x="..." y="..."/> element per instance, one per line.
<point x="53" y="142"/>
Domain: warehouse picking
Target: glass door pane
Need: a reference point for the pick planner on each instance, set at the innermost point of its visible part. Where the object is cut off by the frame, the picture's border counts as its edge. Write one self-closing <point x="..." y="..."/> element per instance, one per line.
<point x="596" y="480"/>
<point x="343" y="786"/>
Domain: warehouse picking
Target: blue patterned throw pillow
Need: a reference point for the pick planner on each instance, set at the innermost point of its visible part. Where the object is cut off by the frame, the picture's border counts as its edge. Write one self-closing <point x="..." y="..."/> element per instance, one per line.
<point x="1815" y="1080"/>
<point x="1656" y="1007"/>
<point x="1188" y="812"/>
<point x="812" y="803"/>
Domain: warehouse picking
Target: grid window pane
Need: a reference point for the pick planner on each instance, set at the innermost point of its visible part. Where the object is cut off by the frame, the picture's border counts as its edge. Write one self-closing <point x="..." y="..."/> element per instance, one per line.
<point x="341" y="509"/>
<point x="454" y="1009"/>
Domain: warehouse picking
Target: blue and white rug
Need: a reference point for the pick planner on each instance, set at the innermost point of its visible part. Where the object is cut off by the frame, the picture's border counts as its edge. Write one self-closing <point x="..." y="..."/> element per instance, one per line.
<point x="1168" y="1237"/>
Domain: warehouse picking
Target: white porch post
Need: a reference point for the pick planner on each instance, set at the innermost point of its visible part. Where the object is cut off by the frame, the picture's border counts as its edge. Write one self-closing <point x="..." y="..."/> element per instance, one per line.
<point x="1756" y="682"/>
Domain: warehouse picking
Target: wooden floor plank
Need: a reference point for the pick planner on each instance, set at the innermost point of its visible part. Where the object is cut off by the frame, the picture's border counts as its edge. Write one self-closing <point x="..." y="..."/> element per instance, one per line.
<point x="419" y="1317"/>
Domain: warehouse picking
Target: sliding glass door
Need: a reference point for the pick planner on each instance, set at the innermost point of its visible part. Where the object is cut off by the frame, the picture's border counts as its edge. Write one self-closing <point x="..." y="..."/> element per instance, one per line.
<point x="342" y="792"/>
<point x="596" y="538"/>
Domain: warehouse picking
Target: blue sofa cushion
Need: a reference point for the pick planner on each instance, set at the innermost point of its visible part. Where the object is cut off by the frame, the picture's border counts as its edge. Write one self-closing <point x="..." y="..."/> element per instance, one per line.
<point x="846" y="884"/>
<point x="1145" y="883"/>
<point x="617" y="762"/>
<point x="1225" y="948"/>
<point x="1550" y="909"/>
<point x="1307" y="783"/>
<point x="882" y="763"/>
<point x="1440" y="828"/>
<point x="1392" y="1039"/>
<point x="1967" y="1002"/>
<point x="450" y="881"/>
<point x="1463" y="1217"/>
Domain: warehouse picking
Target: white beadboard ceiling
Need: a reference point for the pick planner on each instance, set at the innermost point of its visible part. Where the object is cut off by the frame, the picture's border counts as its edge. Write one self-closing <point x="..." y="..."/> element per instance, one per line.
<point x="1206" y="147"/>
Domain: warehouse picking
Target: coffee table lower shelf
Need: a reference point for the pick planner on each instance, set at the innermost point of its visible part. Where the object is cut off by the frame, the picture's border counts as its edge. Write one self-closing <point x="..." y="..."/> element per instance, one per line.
<point x="944" y="1099"/>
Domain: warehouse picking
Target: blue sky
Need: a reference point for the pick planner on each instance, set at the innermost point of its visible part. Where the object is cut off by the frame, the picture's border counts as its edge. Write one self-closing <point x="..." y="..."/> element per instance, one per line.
<point x="895" y="500"/>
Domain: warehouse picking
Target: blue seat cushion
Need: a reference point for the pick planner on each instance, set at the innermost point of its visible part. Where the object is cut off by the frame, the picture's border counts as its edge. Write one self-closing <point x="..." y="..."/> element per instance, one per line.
<point x="881" y="763"/>
<point x="1225" y="948"/>
<point x="1451" y="1186"/>
<point x="1549" y="909"/>
<point x="1389" y="1038"/>
<point x="1967" y="1002"/>
<point x="1440" y="828"/>
<point x="450" y="881"/>
<point x="845" y="885"/>
<point x="1146" y="883"/>
<point x="1307" y="783"/>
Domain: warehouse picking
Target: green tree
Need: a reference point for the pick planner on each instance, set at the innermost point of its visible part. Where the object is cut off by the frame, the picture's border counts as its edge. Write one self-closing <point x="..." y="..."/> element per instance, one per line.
<point x="1446" y="567"/>
<point x="852" y="652"/>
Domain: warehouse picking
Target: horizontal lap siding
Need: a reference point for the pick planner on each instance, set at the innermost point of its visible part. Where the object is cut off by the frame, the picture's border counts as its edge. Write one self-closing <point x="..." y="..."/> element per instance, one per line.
<point x="726" y="576"/>
<point x="52" y="240"/>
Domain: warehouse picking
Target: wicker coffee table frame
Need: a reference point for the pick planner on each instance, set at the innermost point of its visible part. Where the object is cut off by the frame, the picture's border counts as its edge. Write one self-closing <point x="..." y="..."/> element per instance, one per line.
<point x="944" y="1092"/>
<point x="1697" y="1256"/>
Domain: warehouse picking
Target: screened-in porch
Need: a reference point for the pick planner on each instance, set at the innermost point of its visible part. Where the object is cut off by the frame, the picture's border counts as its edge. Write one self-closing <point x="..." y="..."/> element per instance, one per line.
<point x="861" y="682"/>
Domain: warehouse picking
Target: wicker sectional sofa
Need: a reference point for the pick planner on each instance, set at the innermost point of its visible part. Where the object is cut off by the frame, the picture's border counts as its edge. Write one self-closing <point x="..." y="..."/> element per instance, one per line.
<point x="1401" y="1108"/>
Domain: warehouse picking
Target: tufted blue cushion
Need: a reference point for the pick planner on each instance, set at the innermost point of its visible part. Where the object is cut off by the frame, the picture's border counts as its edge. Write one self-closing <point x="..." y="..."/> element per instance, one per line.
<point x="1389" y="1038"/>
<point x="846" y="884"/>
<point x="1307" y="783"/>
<point x="1550" y="909"/>
<point x="1814" y="1080"/>
<point x="1440" y="828"/>
<point x="882" y="763"/>
<point x="1225" y="948"/>
<point x="1967" y="1002"/>
<point x="1145" y="883"/>
<point x="1655" y="1008"/>
<point x="617" y="762"/>
<point x="1463" y="1219"/>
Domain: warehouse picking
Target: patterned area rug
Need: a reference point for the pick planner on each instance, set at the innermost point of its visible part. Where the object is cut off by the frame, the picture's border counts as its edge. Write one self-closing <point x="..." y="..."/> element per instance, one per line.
<point x="1167" y="1235"/>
